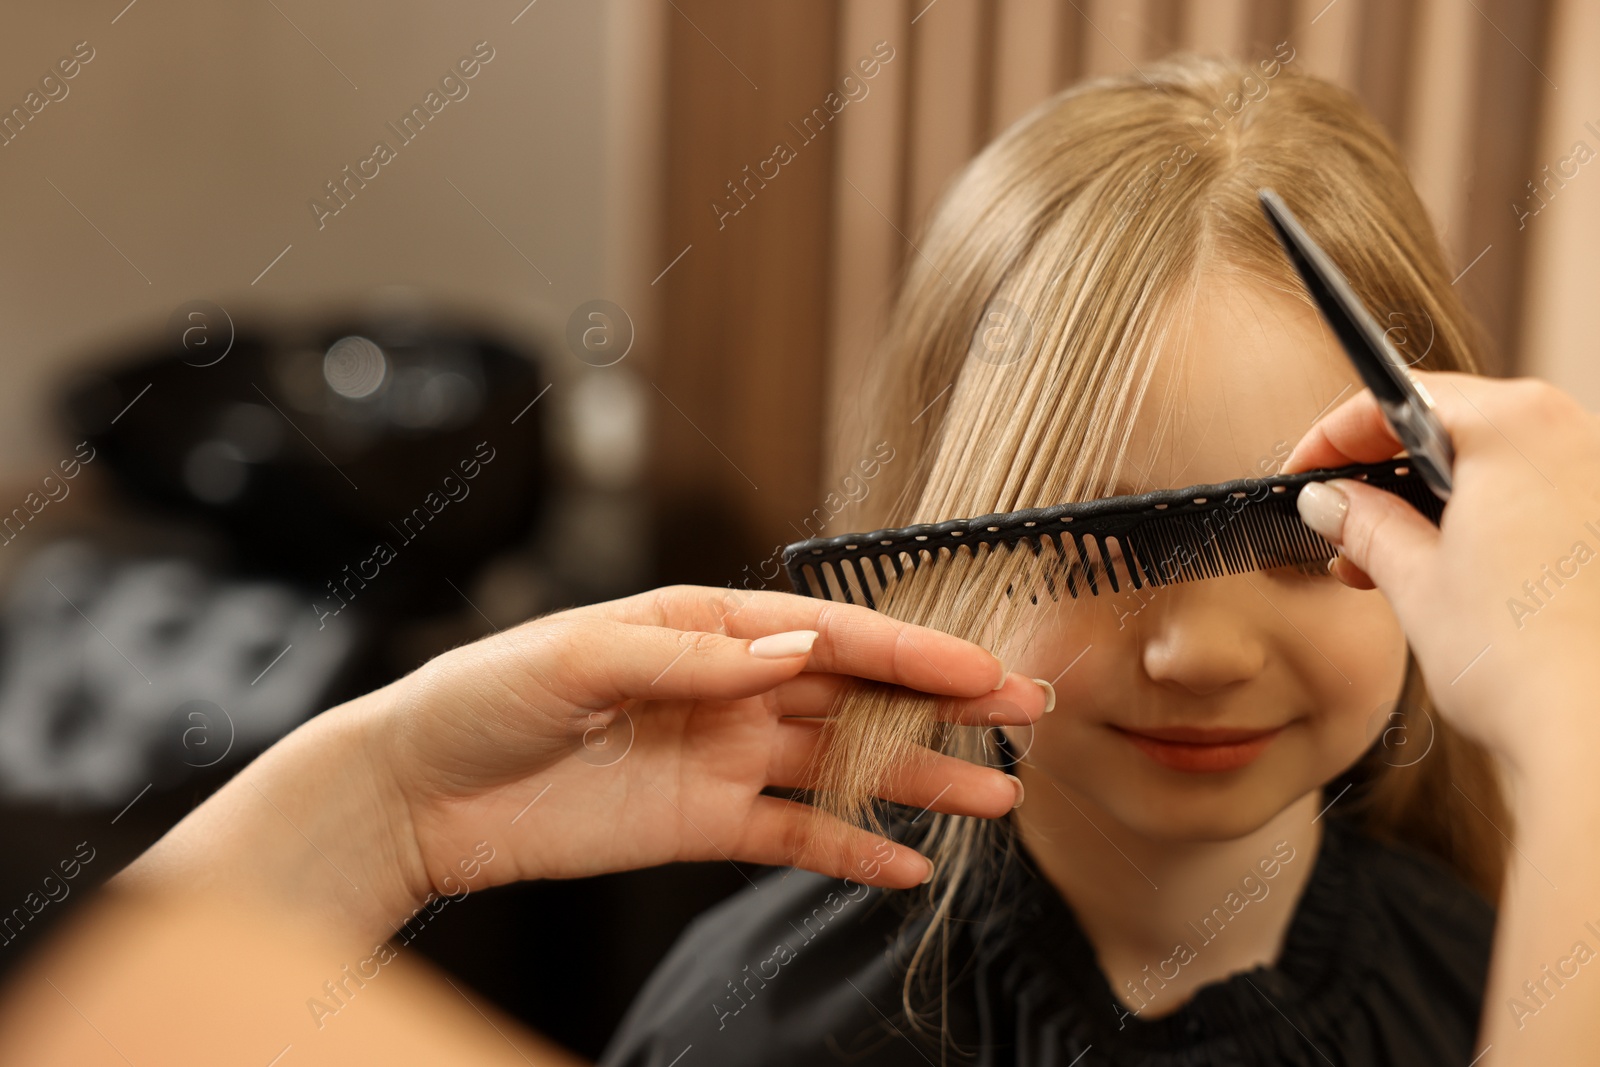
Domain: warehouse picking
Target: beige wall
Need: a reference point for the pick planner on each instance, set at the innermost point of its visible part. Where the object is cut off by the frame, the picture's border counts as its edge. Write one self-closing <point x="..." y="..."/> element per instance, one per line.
<point x="199" y="132"/>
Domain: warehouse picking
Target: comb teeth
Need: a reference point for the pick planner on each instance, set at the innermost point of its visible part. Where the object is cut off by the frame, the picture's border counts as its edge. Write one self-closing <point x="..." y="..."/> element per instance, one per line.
<point x="1162" y="537"/>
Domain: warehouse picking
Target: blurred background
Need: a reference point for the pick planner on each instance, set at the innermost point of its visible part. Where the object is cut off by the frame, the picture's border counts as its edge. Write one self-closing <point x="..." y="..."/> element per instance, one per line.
<point x="334" y="335"/>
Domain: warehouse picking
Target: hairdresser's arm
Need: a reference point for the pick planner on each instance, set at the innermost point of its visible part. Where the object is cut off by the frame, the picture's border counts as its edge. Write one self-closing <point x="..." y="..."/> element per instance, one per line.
<point x="507" y="759"/>
<point x="1501" y="604"/>
<point x="201" y="981"/>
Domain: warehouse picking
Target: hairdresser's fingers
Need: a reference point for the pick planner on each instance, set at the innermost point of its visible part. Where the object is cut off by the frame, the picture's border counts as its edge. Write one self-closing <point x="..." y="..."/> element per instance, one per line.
<point x="1019" y="702"/>
<point x="597" y="662"/>
<point x="854" y="639"/>
<point x="866" y="644"/>
<point x="921" y="779"/>
<point x="781" y="832"/>
<point x="1375" y="530"/>
<point x="1356" y="431"/>
<point x="1353" y="432"/>
<point x="1351" y="575"/>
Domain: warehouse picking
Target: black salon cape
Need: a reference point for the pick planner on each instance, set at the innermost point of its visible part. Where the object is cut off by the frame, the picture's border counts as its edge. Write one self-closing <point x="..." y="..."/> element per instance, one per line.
<point x="1384" y="962"/>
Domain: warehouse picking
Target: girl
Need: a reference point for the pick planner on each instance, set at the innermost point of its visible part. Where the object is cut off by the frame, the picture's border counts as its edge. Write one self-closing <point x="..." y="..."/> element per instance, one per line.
<point x="1246" y="838"/>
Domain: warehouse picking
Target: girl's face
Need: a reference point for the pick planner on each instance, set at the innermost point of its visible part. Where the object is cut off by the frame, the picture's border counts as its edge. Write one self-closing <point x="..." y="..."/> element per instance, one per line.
<point x="1199" y="711"/>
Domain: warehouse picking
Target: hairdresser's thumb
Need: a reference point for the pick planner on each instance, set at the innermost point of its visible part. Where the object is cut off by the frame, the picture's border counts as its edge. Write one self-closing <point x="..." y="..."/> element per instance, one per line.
<point x="1386" y="538"/>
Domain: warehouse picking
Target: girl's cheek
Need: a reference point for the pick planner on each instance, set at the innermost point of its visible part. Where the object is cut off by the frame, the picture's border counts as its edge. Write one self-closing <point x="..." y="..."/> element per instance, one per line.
<point x="1078" y="652"/>
<point x="1357" y="639"/>
<point x="1354" y="652"/>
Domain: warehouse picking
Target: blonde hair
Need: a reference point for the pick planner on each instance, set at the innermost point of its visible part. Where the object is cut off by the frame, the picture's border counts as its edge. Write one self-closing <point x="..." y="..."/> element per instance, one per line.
<point x="1086" y="227"/>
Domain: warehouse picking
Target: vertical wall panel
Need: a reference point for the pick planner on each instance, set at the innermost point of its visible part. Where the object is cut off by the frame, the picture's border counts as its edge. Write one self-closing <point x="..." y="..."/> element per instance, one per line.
<point x="1115" y="39"/>
<point x="739" y="388"/>
<point x="946" y="109"/>
<point x="1439" y="114"/>
<point x="867" y="248"/>
<point x="1217" y="27"/>
<point x="1026" y="38"/>
<point x="1325" y="37"/>
<point x="1512" y="87"/>
<point x="1165" y="22"/>
<point x="1561" y="318"/>
<point x="1271" y="21"/>
<point x="1383" y="62"/>
<point x="1070" y="48"/>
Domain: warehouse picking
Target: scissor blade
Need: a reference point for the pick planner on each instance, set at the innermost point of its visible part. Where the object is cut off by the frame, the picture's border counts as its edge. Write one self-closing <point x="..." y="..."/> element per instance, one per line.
<point x="1406" y="405"/>
<point x="1363" y="340"/>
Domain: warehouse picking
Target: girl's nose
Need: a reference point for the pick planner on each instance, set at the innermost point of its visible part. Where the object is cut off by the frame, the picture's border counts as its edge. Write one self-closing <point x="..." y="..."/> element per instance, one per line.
<point x="1200" y="638"/>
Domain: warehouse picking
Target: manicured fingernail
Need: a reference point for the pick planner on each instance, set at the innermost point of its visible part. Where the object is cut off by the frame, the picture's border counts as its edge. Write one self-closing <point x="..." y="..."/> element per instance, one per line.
<point x="1323" y="507"/>
<point x="1049" y="695"/>
<point x="1005" y="676"/>
<point x="778" y="646"/>
<point x="1020" y="791"/>
<point x="929" y="876"/>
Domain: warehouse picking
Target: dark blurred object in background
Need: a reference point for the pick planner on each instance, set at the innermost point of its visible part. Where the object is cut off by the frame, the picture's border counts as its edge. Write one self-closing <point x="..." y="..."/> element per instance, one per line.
<point x="351" y="459"/>
<point x="180" y="669"/>
<point x="310" y="487"/>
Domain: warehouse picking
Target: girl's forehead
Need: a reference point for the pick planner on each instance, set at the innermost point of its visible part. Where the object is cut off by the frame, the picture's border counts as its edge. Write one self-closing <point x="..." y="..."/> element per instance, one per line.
<point x="1241" y="376"/>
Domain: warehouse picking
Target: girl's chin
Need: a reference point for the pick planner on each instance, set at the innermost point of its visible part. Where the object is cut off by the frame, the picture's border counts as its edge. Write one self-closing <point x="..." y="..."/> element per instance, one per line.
<point x="1163" y="805"/>
<point x="1201" y="824"/>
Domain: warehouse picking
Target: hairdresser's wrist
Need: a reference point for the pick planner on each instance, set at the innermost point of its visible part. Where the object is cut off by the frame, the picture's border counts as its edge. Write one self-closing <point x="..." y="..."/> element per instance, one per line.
<point x="1552" y="882"/>
<point x="1549" y="759"/>
<point x="314" y="827"/>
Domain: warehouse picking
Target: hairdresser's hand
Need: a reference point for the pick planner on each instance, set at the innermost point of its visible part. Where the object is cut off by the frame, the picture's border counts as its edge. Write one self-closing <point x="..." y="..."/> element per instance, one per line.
<point x="508" y="759"/>
<point x="1501" y="602"/>
<point x="519" y="740"/>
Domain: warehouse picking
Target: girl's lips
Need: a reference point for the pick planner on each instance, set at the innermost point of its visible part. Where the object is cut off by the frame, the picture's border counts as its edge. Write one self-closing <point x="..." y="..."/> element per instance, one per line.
<point x="1201" y="750"/>
<point x="1201" y="735"/>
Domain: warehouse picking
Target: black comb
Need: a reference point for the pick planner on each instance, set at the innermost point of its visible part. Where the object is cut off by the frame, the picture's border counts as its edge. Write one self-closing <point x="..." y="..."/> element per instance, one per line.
<point x="1163" y="537"/>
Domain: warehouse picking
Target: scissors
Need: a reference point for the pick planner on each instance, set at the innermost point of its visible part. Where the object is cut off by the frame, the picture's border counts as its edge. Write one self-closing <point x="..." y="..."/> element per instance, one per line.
<point x="1406" y="405"/>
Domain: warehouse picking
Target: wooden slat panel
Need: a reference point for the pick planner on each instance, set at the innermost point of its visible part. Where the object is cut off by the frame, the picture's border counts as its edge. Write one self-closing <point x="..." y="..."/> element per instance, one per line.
<point x="1561" y="316"/>
<point x="1439" y="114"/>
<point x="1383" y="62"/>
<point x="1165" y="22"/>
<point x="1220" y="27"/>
<point x="1116" y="38"/>
<point x="1026" y="38"/>
<point x="985" y="42"/>
<point x="1271" y="21"/>
<point x="1070" y="47"/>
<point x="867" y="194"/>
<point x="1325" y="39"/>
<point x="1504" y="157"/>
<point x="946" y="107"/>
<point x="739" y="386"/>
